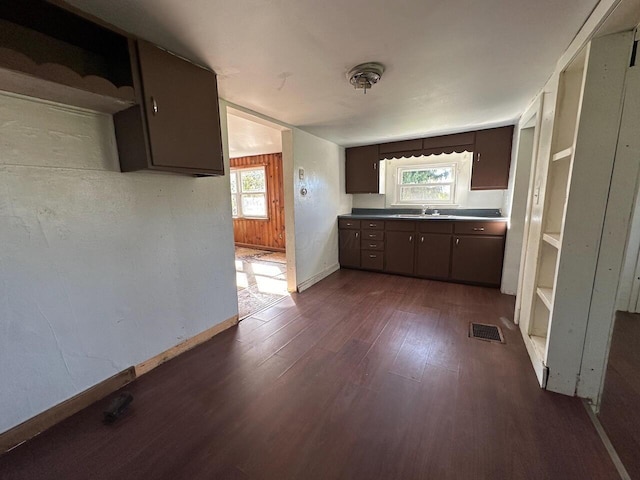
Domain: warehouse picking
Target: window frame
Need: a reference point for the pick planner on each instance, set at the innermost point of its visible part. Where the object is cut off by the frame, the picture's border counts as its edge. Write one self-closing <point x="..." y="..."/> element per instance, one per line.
<point x="236" y="172"/>
<point x="418" y="167"/>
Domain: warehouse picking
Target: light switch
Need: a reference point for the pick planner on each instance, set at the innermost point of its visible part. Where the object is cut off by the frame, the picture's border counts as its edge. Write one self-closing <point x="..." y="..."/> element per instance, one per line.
<point x="301" y="173"/>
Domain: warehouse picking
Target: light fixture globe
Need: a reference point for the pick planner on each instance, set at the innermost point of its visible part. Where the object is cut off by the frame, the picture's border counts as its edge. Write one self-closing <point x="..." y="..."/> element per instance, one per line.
<point x="365" y="75"/>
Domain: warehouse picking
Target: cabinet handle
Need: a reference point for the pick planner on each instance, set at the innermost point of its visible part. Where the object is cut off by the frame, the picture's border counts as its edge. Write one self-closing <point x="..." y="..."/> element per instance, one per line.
<point x="372" y="245"/>
<point x="375" y="166"/>
<point x="478" y="157"/>
<point x="154" y="105"/>
<point x="411" y="238"/>
<point x="373" y="256"/>
<point x="478" y="229"/>
<point x="457" y="241"/>
<point x="349" y="224"/>
<point x="372" y="235"/>
<point x="422" y="239"/>
<point x="373" y="225"/>
<point x="357" y="234"/>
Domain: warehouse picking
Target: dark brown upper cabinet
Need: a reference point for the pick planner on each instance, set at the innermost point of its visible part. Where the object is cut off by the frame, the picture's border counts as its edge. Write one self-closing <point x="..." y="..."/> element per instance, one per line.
<point x="361" y="170"/>
<point x="492" y="159"/>
<point x="176" y="126"/>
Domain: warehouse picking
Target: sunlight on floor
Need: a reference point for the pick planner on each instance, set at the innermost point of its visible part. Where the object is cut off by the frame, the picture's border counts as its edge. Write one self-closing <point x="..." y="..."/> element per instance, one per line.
<point x="271" y="285"/>
<point x="241" y="280"/>
<point x="266" y="270"/>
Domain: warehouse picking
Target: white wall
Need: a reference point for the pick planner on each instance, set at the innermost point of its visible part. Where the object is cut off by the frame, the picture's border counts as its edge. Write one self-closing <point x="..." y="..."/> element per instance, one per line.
<point x="99" y="270"/>
<point x="316" y="226"/>
<point x="311" y="220"/>
<point x="465" y="197"/>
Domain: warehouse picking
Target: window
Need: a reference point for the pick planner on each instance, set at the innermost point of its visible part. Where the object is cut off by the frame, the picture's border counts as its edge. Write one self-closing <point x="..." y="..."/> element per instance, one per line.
<point x="426" y="184"/>
<point x="249" y="192"/>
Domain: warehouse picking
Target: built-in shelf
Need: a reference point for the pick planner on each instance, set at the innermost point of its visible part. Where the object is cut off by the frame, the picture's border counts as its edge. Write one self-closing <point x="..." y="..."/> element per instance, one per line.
<point x="566" y="153"/>
<point x="552" y="239"/>
<point x="539" y="346"/>
<point x="546" y="295"/>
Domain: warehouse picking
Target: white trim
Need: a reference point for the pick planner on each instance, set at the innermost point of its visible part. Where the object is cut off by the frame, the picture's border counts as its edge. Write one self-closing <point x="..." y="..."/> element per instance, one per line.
<point x="455" y="166"/>
<point x="316" y="278"/>
<point x="236" y="172"/>
<point x="622" y="471"/>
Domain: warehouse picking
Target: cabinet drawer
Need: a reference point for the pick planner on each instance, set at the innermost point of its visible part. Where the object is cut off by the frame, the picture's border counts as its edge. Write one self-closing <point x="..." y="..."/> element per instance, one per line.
<point x="372" y="225"/>
<point x="372" y="260"/>
<point x="400" y="226"/>
<point x="481" y="228"/>
<point x="371" y="244"/>
<point x="372" y="235"/>
<point x="436" y="226"/>
<point x="345" y="223"/>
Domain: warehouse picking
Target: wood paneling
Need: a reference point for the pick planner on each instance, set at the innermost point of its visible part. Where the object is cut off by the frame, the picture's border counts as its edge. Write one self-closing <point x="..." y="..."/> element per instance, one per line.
<point x="363" y="376"/>
<point x="264" y="233"/>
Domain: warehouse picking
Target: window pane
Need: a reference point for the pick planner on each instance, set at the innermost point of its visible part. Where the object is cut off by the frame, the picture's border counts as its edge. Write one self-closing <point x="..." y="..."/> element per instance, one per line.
<point x="253" y="180"/>
<point x="234" y="205"/>
<point x="254" y="205"/>
<point x="425" y="194"/>
<point x="428" y="175"/>
<point x="234" y="182"/>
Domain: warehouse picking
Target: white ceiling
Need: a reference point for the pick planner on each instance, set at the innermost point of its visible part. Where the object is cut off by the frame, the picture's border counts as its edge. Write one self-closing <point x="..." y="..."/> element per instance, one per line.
<point x="247" y="138"/>
<point x="451" y="65"/>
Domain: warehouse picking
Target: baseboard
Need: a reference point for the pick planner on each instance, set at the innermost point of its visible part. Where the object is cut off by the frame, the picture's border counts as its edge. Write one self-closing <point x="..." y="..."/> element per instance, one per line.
<point x="188" y="344"/>
<point x="259" y="247"/>
<point x="47" y="419"/>
<point x="316" y="278"/>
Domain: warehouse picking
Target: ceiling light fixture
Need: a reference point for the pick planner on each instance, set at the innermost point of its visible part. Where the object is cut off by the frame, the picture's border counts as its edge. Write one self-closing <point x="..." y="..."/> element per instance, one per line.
<point x="365" y="75"/>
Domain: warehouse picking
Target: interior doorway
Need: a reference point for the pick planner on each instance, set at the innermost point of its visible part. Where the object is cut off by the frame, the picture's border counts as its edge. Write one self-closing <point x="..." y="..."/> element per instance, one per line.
<point x="258" y="208"/>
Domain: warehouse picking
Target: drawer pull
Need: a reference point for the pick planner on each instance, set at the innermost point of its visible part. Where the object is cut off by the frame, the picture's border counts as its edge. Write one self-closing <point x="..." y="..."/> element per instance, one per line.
<point x="478" y="229"/>
<point x="372" y="245"/>
<point x="373" y="224"/>
<point x="373" y="256"/>
<point x="349" y="224"/>
<point x="372" y="235"/>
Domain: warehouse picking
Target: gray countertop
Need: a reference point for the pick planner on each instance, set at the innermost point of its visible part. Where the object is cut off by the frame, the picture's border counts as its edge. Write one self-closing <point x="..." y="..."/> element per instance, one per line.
<point x="418" y="217"/>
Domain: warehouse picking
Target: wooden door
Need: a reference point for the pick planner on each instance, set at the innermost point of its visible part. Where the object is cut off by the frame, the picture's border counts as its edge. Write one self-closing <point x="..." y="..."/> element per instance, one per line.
<point x="183" y="118"/>
<point x="433" y="255"/>
<point x="492" y="159"/>
<point x="477" y="259"/>
<point x="361" y="169"/>
<point x="399" y="252"/>
<point x="349" y="248"/>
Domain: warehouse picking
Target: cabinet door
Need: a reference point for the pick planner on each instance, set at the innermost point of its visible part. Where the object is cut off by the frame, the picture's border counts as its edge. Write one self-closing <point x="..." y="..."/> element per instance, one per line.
<point x="434" y="255"/>
<point x="477" y="259"/>
<point x="183" y="118"/>
<point x="399" y="252"/>
<point x="349" y="248"/>
<point x="361" y="170"/>
<point x="492" y="159"/>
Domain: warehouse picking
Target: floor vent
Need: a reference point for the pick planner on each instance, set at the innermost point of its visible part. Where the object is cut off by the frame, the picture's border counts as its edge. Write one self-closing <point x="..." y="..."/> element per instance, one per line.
<point x="488" y="333"/>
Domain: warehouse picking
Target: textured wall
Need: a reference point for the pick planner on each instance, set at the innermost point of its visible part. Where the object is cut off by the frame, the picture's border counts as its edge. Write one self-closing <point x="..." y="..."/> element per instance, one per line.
<point x="99" y="270"/>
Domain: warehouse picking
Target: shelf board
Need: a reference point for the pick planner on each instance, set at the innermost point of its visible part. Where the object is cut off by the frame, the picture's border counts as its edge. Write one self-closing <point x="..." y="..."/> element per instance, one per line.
<point x="552" y="239"/>
<point x="546" y="295"/>
<point x="539" y="346"/>
<point x="566" y="153"/>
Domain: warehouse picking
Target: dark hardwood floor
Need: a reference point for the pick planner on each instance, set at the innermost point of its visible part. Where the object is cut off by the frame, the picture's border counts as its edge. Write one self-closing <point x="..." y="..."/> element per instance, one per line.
<point x="620" y="408"/>
<point x="363" y="376"/>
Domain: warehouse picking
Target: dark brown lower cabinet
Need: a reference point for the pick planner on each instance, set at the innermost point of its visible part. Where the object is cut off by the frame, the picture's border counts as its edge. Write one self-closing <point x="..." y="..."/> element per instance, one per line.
<point x="477" y="259"/>
<point x="349" y="248"/>
<point x="399" y="252"/>
<point x="433" y="255"/>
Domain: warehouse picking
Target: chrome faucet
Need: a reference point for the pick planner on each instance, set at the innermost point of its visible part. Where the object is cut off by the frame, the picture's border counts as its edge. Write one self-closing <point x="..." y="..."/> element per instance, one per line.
<point x="424" y="209"/>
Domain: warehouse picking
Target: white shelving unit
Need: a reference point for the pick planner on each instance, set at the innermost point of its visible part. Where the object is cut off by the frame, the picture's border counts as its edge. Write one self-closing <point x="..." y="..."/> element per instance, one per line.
<point x="569" y="194"/>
